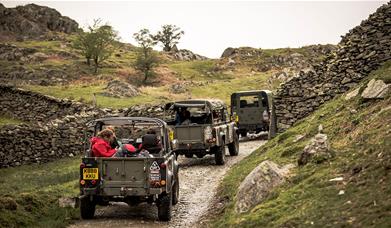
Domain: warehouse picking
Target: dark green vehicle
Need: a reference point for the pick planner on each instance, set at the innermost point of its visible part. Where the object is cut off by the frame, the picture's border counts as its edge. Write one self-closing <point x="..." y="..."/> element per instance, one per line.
<point x="134" y="178"/>
<point x="253" y="111"/>
<point x="203" y="127"/>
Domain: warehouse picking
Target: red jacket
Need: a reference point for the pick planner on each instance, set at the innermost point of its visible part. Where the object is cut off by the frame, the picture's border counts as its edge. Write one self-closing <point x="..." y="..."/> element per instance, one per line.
<point x="101" y="148"/>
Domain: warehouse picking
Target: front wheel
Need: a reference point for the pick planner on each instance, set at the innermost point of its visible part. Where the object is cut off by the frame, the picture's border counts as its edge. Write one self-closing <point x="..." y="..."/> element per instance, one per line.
<point x="165" y="207"/>
<point x="87" y="208"/>
<point x="219" y="154"/>
<point x="175" y="191"/>
<point x="234" y="146"/>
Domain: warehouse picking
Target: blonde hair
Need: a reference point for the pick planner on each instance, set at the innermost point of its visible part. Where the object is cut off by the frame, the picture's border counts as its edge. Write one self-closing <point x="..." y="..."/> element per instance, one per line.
<point x="106" y="133"/>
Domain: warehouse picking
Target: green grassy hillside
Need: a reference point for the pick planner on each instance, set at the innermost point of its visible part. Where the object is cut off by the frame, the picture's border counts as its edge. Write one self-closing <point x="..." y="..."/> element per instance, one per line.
<point x="360" y="136"/>
<point x="80" y="83"/>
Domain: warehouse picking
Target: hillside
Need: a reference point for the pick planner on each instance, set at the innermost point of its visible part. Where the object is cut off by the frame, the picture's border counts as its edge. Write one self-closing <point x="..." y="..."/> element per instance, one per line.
<point x="359" y="137"/>
<point x="49" y="92"/>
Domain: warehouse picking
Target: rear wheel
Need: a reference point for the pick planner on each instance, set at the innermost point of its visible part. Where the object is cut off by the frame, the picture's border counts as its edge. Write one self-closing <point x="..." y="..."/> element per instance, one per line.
<point x="243" y="134"/>
<point x="87" y="208"/>
<point x="165" y="207"/>
<point x="219" y="154"/>
<point x="189" y="155"/>
<point x="175" y="191"/>
<point x="234" y="146"/>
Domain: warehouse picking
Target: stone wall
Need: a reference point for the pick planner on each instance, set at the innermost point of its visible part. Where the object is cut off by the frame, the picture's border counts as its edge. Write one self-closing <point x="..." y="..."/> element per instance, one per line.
<point x="360" y="51"/>
<point x="34" y="107"/>
<point x="54" y="128"/>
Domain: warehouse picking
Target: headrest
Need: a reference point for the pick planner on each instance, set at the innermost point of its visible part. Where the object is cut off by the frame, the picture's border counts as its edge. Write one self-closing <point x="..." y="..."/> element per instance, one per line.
<point x="150" y="140"/>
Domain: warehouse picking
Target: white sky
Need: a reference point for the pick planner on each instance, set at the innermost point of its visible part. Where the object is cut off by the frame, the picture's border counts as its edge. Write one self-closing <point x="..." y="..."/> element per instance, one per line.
<point x="212" y="26"/>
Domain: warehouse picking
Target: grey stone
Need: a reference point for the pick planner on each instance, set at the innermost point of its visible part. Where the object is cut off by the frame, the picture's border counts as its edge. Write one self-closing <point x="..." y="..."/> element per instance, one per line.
<point x="376" y="89"/>
<point x="259" y="183"/>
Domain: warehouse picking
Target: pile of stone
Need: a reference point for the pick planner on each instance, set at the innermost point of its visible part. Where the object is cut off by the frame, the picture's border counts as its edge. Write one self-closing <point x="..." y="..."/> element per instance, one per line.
<point x="117" y="88"/>
<point x="360" y="51"/>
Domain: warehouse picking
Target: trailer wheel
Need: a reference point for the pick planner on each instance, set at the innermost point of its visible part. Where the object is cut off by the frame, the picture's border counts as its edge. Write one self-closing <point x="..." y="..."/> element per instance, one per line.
<point x="234" y="146"/>
<point x="219" y="154"/>
<point x="87" y="208"/>
<point x="165" y="207"/>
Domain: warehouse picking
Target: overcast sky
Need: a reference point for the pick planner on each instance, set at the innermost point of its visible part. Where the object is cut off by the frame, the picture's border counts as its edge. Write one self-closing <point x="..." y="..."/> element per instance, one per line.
<point x="212" y="26"/>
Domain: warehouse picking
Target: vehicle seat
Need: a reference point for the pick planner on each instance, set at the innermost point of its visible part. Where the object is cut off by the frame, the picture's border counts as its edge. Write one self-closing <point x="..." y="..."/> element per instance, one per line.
<point x="151" y="143"/>
<point x="243" y="103"/>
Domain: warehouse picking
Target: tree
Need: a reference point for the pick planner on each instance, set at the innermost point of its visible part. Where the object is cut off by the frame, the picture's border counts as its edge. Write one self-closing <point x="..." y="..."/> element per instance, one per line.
<point x="169" y="36"/>
<point x="98" y="43"/>
<point x="146" y="58"/>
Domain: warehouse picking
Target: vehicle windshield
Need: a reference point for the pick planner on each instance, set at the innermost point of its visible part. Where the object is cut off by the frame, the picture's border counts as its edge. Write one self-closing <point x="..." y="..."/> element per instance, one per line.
<point x="192" y="115"/>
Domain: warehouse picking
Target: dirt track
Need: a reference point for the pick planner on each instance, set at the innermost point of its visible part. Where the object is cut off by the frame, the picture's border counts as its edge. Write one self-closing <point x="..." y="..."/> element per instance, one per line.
<point x="199" y="179"/>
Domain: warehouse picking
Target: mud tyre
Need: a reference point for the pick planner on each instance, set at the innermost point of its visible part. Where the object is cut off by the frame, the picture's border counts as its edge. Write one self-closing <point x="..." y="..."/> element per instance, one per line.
<point x="234" y="146"/>
<point x="219" y="155"/>
<point x="243" y="134"/>
<point x="175" y="191"/>
<point x="189" y="155"/>
<point x="164" y="207"/>
<point x="87" y="208"/>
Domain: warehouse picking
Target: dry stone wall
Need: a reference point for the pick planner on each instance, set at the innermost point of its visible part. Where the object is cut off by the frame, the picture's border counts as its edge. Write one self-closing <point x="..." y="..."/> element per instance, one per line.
<point x="54" y="128"/>
<point x="360" y="51"/>
<point x="34" y="107"/>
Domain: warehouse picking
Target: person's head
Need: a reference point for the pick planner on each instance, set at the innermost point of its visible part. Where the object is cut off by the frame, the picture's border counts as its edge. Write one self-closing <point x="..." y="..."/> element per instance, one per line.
<point x="106" y="134"/>
<point x="187" y="114"/>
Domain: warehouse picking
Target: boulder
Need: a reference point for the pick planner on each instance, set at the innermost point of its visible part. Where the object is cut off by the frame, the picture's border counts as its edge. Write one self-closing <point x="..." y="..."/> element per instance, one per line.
<point x="376" y="89"/>
<point x="117" y="88"/>
<point x="352" y="94"/>
<point x="317" y="150"/>
<point x="259" y="183"/>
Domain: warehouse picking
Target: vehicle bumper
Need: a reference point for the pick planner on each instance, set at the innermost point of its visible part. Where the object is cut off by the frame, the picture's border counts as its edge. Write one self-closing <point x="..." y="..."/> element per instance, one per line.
<point x="122" y="191"/>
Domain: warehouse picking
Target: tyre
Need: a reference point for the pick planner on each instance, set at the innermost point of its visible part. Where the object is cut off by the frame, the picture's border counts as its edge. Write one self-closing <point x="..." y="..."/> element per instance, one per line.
<point x="165" y="207"/>
<point x="234" y="146"/>
<point x="87" y="208"/>
<point x="220" y="155"/>
<point x="189" y="155"/>
<point x="175" y="191"/>
<point x="243" y="134"/>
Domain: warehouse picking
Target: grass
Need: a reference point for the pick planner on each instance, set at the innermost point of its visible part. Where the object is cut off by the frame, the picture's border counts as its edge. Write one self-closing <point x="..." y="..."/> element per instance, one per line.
<point x="197" y="70"/>
<point x="6" y="120"/>
<point x="361" y="142"/>
<point x="29" y="194"/>
<point x="223" y="89"/>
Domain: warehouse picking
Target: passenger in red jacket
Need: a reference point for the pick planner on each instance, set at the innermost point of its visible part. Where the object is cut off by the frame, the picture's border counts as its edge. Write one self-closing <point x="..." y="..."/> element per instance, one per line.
<point x="100" y="145"/>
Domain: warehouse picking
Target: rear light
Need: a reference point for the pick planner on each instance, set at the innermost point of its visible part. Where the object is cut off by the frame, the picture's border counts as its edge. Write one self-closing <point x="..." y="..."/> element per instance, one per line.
<point x="93" y="182"/>
<point x="163" y="165"/>
<point x="82" y="182"/>
<point x="82" y="165"/>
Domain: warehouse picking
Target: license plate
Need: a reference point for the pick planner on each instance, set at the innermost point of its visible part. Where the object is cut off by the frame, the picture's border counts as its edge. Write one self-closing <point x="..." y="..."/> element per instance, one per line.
<point x="90" y="173"/>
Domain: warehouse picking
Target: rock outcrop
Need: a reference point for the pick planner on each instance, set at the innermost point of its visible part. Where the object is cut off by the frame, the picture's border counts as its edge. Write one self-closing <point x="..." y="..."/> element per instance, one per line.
<point x="360" y="51"/>
<point x="33" y="21"/>
<point x="185" y="55"/>
<point x="259" y="183"/>
<point x="375" y="89"/>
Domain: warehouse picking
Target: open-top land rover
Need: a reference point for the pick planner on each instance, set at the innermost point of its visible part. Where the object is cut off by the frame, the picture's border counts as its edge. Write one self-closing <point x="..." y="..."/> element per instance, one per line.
<point x="135" y="177"/>
<point x="203" y="127"/>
